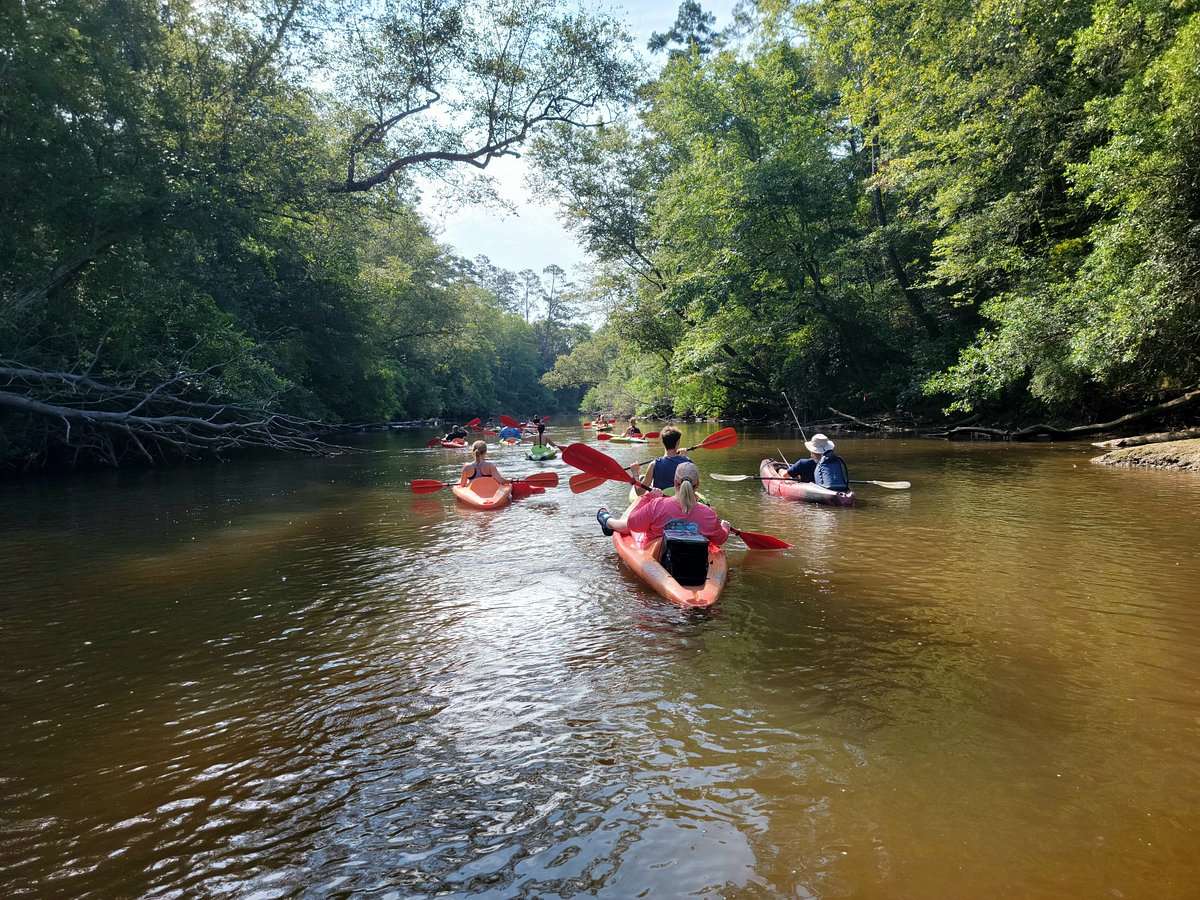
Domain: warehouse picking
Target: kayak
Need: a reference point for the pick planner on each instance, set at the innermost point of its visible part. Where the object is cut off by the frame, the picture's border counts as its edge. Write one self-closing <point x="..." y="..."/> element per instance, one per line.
<point x="484" y="493"/>
<point x="458" y="443"/>
<point x="799" y="490"/>
<point x="541" y="452"/>
<point x="621" y="439"/>
<point x="644" y="562"/>
<point x="508" y="442"/>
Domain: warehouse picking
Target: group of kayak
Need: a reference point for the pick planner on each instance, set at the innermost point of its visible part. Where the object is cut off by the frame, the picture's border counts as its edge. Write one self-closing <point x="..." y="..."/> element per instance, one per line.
<point x="668" y="535"/>
<point x="510" y="434"/>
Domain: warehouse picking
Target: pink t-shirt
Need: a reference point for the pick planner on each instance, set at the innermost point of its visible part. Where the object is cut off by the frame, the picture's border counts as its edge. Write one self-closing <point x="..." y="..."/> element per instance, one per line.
<point x="650" y="517"/>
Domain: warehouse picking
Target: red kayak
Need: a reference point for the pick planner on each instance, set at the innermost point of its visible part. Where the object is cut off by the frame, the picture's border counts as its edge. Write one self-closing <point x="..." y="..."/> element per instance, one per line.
<point x="776" y="481"/>
<point x="457" y="442"/>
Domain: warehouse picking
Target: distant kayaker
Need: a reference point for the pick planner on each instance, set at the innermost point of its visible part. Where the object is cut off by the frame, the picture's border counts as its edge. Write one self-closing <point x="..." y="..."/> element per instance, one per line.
<point x="480" y="466"/>
<point x="823" y="467"/>
<point x="633" y="430"/>
<point x="541" y="430"/>
<point x="457" y="433"/>
<point x="653" y="513"/>
<point x="661" y="472"/>
<point x="510" y="433"/>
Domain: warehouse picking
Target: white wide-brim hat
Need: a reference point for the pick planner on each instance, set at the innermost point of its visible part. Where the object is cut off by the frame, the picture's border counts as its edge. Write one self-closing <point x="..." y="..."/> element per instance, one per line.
<point x="819" y="444"/>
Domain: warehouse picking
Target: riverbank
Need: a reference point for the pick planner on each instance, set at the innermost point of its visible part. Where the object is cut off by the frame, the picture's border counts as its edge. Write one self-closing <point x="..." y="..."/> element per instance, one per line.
<point x="1183" y="455"/>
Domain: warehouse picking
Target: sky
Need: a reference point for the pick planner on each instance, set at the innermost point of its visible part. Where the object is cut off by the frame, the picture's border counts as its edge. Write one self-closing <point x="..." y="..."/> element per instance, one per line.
<point x="532" y="238"/>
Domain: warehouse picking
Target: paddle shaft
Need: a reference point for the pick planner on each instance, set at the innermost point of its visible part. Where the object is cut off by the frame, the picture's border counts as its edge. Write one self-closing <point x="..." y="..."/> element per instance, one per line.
<point x="794" y="416"/>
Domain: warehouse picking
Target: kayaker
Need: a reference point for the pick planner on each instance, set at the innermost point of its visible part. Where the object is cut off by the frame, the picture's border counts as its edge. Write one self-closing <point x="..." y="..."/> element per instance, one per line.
<point x="661" y="472"/>
<point x="633" y="430"/>
<point x="457" y="433"/>
<point x="508" y="432"/>
<point x="541" y="430"/>
<point x="823" y="467"/>
<point x="480" y="466"/>
<point x="654" y="512"/>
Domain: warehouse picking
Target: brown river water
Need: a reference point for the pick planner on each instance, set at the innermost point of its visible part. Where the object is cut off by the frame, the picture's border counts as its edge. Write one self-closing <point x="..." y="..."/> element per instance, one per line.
<point x="291" y="677"/>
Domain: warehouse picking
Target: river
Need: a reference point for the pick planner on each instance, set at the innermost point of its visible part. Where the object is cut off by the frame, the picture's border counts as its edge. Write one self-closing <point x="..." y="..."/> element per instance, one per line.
<point x="291" y="677"/>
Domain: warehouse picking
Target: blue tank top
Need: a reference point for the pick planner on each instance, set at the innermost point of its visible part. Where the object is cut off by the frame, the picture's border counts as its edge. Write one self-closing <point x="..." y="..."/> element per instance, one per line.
<point x="664" y="470"/>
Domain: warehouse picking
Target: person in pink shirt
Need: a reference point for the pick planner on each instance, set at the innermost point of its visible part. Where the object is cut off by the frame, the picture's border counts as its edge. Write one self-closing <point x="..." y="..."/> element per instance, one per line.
<point x="653" y="512"/>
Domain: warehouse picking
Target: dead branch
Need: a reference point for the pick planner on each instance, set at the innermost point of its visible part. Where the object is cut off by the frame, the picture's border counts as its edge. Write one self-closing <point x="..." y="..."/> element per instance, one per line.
<point x="88" y="419"/>
<point x="1050" y="432"/>
<point x="1159" y="437"/>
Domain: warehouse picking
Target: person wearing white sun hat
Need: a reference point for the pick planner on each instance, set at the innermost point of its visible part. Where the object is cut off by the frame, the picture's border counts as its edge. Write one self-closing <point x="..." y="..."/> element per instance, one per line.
<point x="824" y="467"/>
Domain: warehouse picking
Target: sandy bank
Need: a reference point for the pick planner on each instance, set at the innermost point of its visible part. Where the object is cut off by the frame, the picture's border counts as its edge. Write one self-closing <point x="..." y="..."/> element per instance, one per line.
<point x="1171" y="455"/>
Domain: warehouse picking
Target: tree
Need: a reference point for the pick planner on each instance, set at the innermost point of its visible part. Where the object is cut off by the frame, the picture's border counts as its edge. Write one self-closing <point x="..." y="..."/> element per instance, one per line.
<point x="434" y="84"/>
<point x="693" y="29"/>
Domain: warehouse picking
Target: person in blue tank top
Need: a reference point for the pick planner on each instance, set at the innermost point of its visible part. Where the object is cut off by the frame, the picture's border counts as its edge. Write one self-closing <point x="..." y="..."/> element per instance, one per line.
<point x="824" y="467"/>
<point x="661" y="472"/>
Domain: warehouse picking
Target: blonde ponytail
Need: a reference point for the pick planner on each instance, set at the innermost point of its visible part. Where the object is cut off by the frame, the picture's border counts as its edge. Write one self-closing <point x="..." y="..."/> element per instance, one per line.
<point x="686" y="478"/>
<point x="479" y="448"/>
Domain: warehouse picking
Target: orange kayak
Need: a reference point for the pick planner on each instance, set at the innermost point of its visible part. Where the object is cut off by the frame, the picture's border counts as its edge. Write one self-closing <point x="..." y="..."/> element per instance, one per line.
<point x="484" y="493"/>
<point x="644" y="561"/>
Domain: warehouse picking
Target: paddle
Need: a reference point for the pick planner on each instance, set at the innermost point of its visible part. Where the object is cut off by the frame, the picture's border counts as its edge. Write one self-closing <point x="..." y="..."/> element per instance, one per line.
<point x="603" y="466"/>
<point x="890" y="485"/>
<point x="649" y="435"/>
<point x="718" y="440"/>
<point x="537" y="479"/>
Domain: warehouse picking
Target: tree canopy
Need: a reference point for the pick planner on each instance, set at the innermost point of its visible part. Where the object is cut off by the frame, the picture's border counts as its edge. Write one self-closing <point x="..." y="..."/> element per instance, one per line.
<point x="209" y="215"/>
<point x="919" y="207"/>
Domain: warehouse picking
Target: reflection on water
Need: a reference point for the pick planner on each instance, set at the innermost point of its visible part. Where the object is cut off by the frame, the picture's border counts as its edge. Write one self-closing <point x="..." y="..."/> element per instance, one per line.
<point x="292" y="677"/>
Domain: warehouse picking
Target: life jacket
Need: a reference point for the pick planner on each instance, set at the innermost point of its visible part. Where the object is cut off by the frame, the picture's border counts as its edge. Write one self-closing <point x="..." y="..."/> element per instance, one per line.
<point x="685" y="552"/>
<point x="831" y="472"/>
<point x="664" y="470"/>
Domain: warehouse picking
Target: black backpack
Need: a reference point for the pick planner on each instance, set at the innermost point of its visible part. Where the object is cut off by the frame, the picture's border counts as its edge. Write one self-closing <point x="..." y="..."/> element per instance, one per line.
<point x="685" y="554"/>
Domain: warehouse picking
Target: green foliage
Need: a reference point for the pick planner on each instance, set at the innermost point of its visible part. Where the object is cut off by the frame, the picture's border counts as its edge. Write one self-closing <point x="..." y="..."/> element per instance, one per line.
<point x="984" y="206"/>
<point x="169" y="222"/>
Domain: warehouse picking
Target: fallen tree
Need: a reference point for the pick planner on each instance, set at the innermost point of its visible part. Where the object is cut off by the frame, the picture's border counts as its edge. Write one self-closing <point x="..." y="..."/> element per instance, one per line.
<point x="1050" y="432"/>
<point x="73" y="419"/>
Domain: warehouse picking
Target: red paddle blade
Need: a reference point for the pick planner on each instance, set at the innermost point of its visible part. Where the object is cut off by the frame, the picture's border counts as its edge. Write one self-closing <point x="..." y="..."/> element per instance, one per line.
<point x="585" y="482"/>
<point x="433" y="442"/>
<point x="761" y="541"/>
<point x="426" y="485"/>
<point x="542" y="479"/>
<point x="592" y="461"/>
<point x="521" y="490"/>
<point x="603" y="436"/>
<point x="492" y="433"/>
<point x="510" y="422"/>
<point x="473" y="423"/>
<point x="726" y="437"/>
<point x="650" y="435"/>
